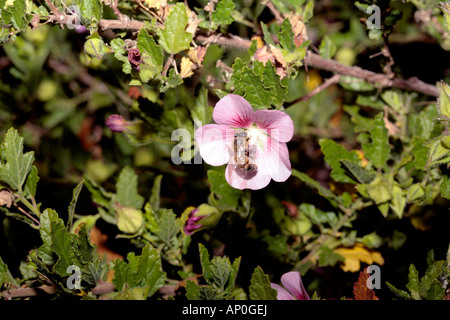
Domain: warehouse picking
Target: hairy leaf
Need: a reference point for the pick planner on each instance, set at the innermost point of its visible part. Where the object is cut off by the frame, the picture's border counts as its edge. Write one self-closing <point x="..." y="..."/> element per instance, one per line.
<point x="260" y="288"/>
<point x="174" y="37"/>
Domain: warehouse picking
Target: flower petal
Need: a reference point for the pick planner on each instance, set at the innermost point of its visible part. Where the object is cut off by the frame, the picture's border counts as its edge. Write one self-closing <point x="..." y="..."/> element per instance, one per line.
<point x="234" y="111"/>
<point x="274" y="157"/>
<point x="254" y="180"/>
<point x="282" y="294"/>
<point x="292" y="281"/>
<point x="214" y="143"/>
<point x="275" y="122"/>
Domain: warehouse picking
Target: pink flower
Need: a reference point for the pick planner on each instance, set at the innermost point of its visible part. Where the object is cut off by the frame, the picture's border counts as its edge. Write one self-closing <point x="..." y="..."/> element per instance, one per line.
<point x="116" y="123"/>
<point x="253" y="143"/>
<point x="293" y="287"/>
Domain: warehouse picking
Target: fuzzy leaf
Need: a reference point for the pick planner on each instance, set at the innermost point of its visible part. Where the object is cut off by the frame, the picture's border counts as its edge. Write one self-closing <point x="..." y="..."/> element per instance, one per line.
<point x="173" y="37"/>
<point x="260" y="288"/>
<point x="444" y="101"/>
<point x="31" y="182"/>
<point x="127" y="189"/>
<point x="334" y="153"/>
<point x="222" y="14"/>
<point x="168" y="226"/>
<point x="327" y="48"/>
<point x="71" y="210"/>
<point x="378" y="151"/>
<point x="140" y="271"/>
<point x="286" y="36"/>
<point x="260" y="86"/>
<point x="18" y="164"/>
<point x="413" y="284"/>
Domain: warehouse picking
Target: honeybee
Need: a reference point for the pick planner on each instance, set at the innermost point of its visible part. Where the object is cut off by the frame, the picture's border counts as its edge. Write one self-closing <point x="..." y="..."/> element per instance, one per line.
<point x="244" y="153"/>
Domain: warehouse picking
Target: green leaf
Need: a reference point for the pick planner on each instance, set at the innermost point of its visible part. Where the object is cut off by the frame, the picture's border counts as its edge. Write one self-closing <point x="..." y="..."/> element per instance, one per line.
<point x="6" y="277"/>
<point x="260" y="288"/>
<point x="398" y="201"/>
<point x="420" y="153"/>
<point x="444" y="101"/>
<point x="205" y="263"/>
<point x="379" y="190"/>
<point x="91" y="12"/>
<point x="132" y="293"/>
<point x="378" y="151"/>
<point x="127" y="189"/>
<point x="151" y="55"/>
<point x="355" y="84"/>
<point x="357" y="172"/>
<point x="31" y="182"/>
<point x="192" y="290"/>
<point x="413" y="284"/>
<point x="71" y="210"/>
<point x="61" y="246"/>
<point x="15" y="13"/>
<point x="399" y="293"/>
<point x="15" y="171"/>
<point x="95" y="47"/>
<point x="173" y="37"/>
<point x="140" y="271"/>
<point x="438" y="151"/>
<point x="102" y="198"/>
<point x="327" y="48"/>
<point x="445" y="188"/>
<point x="234" y="269"/>
<point x="328" y="257"/>
<point x="220" y="271"/>
<point x="222" y="13"/>
<point x="172" y="81"/>
<point x="286" y="36"/>
<point x="154" y="200"/>
<point x="327" y="193"/>
<point x="318" y="216"/>
<point x="228" y="197"/>
<point x="168" y="226"/>
<point x="334" y="153"/>
<point x="118" y="46"/>
<point x="260" y="86"/>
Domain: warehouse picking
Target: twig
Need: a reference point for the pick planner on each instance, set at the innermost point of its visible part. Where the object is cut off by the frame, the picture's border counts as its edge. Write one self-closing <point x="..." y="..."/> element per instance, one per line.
<point x="101" y="288"/>
<point x="274" y="10"/>
<point x="334" y="79"/>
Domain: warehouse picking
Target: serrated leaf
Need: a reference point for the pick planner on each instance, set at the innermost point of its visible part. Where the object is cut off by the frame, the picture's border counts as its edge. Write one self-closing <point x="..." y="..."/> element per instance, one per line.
<point x="91" y="12"/>
<point x="6" y="276"/>
<point x="360" y="289"/>
<point x="334" y="153"/>
<point x="102" y="198"/>
<point x="168" y="226"/>
<point x="444" y="100"/>
<point x="192" y="290"/>
<point x="357" y="172"/>
<point x="173" y="37"/>
<point x="399" y="293"/>
<point x="286" y="36"/>
<point x="118" y="46"/>
<point x="15" y="171"/>
<point x="398" y="201"/>
<point x="140" y="271"/>
<point x="71" y="210"/>
<point x="222" y="13"/>
<point x="438" y="151"/>
<point x="151" y="55"/>
<point x="220" y="271"/>
<point x="260" y="288"/>
<point x="260" y="86"/>
<point x="61" y="246"/>
<point x="127" y="189"/>
<point x="378" y="151"/>
<point x="379" y="190"/>
<point x="234" y="269"/>
<point x="205" y="263"/>
<point x="413" y="283"/>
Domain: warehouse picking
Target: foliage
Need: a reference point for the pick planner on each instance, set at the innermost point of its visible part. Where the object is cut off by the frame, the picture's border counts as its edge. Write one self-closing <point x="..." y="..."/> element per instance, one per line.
<point x="370" y="154"/>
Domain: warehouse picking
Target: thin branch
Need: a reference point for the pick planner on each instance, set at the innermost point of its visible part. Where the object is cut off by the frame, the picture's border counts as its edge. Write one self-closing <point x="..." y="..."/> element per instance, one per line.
<point x="101" y="288"/>
<point x="334" y="79"/>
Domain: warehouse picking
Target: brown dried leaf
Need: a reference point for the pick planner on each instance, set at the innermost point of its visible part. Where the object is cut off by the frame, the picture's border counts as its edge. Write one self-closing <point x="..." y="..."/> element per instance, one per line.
<point x="299" y="29"/>
<point x="6" y="198"/>
<point x="360" y="289"/>
<point x="186" y="68"/>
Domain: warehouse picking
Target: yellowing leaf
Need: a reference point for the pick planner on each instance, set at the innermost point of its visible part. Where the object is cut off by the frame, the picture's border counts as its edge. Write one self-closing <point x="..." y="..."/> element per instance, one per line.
<point x="157" y="4"/>
<point x="357" y="254"/>
<point x="186" y="67"/>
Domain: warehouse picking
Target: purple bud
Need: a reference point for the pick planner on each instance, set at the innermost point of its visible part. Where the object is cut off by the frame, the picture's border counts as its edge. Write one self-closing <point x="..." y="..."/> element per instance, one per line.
<point x="80" y="29"/>
<point x="116" y="123"/>
<point x="191" y="224"/>
<point x="134" y="56"/>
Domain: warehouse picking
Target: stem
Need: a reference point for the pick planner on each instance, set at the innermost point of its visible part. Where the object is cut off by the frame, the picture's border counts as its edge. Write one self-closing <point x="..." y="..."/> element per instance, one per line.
<point x="28" y="204"/>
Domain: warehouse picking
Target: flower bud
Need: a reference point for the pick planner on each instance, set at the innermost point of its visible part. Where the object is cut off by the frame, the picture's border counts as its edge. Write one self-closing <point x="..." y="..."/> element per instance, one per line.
<point x="116" y="123"/>
<point x="129" y="220"/>
<point x="202" y="216"/>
